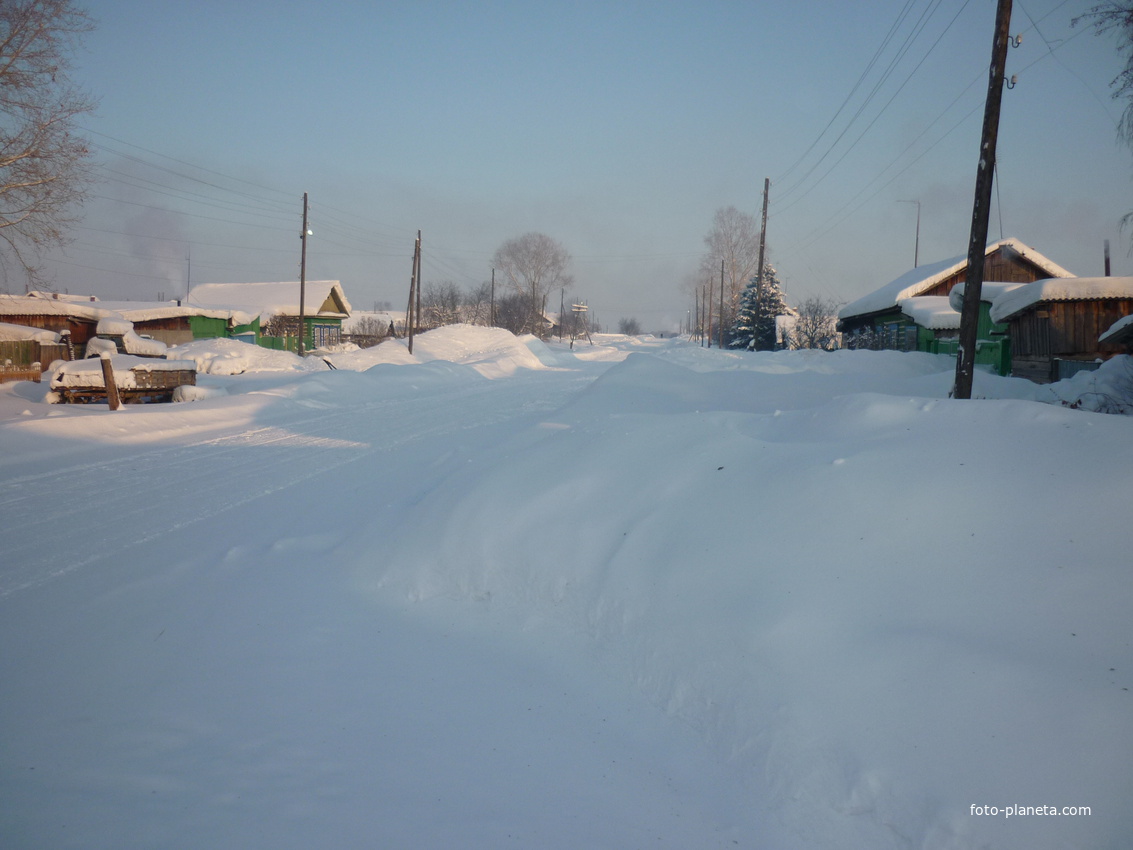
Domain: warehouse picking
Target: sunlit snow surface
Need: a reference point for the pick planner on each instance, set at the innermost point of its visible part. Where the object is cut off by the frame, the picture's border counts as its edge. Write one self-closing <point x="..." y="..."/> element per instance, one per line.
<point x="500" y="592"/>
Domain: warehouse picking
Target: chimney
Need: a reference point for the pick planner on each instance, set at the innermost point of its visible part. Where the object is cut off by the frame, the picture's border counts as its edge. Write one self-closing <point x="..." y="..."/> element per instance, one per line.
<point x="1107" y="258"/>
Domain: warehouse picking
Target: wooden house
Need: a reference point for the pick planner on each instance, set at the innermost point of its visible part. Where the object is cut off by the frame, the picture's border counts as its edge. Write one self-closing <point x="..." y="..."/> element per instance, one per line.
<point x="324" y="307"/>
<point x="1056" y="326"/>
<point x="877" y="320"/>
<point x="175" y="323"/>
<point x="74" y="319"/>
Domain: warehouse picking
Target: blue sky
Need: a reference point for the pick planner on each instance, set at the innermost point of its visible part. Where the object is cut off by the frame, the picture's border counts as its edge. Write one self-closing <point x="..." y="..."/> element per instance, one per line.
<point x="616" y="128"/>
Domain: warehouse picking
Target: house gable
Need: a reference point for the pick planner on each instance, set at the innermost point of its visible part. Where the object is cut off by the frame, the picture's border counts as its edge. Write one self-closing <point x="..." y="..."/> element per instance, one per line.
<point x="322" y="298"/>
<point x="1008" y="260"/>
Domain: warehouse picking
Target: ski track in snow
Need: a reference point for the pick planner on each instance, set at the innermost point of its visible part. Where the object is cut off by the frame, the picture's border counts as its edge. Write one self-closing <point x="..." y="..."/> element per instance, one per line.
<point x="154" y="491"/>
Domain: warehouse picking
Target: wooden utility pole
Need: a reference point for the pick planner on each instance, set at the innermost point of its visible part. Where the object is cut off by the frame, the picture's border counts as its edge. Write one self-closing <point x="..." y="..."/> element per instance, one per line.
<point x="420" y="281"/>
<point x="985" y="178"/>
<point x="757" y="330"/>
<point x="409" y="318"/>
<point x="303" y="278"/>
<point x="708" y="312"/>
<point x="721" y="322"/>
<point x="492" y="308"/>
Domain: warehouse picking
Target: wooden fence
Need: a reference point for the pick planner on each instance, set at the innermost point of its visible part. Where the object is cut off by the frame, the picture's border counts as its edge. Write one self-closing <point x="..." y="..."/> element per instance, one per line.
<point x="26" y="360"/>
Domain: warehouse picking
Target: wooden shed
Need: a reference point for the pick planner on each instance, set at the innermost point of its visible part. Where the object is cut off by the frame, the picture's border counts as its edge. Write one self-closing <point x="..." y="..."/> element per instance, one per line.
<point x="1056" y="325"/>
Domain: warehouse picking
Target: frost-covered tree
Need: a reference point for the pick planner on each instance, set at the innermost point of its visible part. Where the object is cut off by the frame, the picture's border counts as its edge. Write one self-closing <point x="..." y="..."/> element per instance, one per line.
<point x="760" y="303"/>
<point x="816" y="325"/>
<point x="534" y="264"/>
<point x="733" y="245"/>
<point x="441" y="304"/>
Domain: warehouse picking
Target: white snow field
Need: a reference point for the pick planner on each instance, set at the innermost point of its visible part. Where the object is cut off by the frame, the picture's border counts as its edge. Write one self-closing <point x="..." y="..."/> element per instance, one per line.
<point x="499" y="593"/>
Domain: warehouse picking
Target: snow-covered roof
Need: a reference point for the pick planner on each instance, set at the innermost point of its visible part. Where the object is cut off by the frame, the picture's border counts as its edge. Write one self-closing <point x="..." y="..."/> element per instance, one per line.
<point x="10" y="332"/>
<point x="61" y="296"/>
<point x="148" y="311"/>
<point x="1059" y="289"/>
<point x="1121" y="330"/>
<point x="989" y="291"/>
<point x="320" y="298"/>
<point x="931" y="311"/>
<point x="922" y="278"/>
<point x="30" y="305"/>
<point x="39" y="304"/>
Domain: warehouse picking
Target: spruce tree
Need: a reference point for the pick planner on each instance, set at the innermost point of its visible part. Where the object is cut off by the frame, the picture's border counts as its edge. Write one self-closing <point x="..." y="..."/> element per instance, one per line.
<point x="754" y="329"/>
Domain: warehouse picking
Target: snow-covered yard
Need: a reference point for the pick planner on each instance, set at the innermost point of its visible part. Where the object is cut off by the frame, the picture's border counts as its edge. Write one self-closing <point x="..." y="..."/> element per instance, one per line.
<point x="500" y="593"/>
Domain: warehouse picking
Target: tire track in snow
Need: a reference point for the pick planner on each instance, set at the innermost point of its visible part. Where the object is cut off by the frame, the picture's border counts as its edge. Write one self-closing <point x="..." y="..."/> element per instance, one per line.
<point x="155" y="489"/>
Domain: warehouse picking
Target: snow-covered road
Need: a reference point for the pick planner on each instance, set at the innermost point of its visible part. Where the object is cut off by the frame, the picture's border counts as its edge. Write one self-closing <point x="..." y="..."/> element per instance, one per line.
<point x="689" y="599"/>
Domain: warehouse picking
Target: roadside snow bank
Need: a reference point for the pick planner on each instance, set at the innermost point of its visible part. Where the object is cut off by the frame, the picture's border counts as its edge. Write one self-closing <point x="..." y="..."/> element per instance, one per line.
<point x="838" y="593"/>
<point x="232" y="357"/>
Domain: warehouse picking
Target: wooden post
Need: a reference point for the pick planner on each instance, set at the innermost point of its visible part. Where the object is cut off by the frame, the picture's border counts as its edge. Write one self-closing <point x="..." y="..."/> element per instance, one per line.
<point x="112" y="398"/>
<point x="492" y="303"/>
<point x="985" y="178"/>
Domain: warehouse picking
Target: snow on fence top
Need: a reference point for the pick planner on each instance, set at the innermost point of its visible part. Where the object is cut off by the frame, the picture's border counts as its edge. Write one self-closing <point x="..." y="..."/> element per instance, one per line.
<point x="10" y="332"/>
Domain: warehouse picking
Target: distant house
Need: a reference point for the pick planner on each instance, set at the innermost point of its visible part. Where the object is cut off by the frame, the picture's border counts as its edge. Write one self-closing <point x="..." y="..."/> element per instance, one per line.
<point x="1057" y="326"/>
<point x="175" y="323"/>
<point x="68" y="316"/>
<point x="879" y="320"/>
<point x="324" y="307"/>
<point x="168" y="321"/>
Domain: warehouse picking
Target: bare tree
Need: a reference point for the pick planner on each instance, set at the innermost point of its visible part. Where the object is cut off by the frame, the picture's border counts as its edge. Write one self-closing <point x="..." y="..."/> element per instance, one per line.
<point x="44" y="163"/>
<point x="477" y="307"/>
<point x="513" y="312"/>
<point x="440" y="304"/>
<point x="534" y="264"/>
<point x="368" y="331"/>
<point x="629" y="327"/>
<point x="734" y="240"/>
<point x="816" y="325"/>
<point x="1117" y="17"/>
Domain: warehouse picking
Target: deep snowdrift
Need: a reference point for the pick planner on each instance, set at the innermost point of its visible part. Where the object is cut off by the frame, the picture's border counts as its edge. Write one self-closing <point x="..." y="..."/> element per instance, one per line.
<point x="506" y="593"/>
